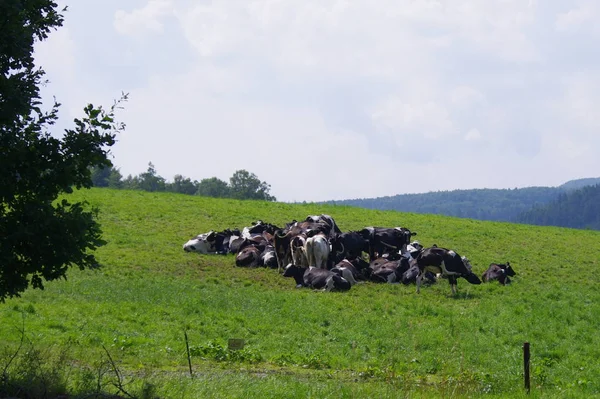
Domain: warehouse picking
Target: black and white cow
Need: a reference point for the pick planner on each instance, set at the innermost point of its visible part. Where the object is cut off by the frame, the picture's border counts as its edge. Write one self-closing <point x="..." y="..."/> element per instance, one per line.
<point x="384" y="270"/>
<point x="316" y="278"/>
<point x="248" y="257"/>
<point x="447" y="263"/>
<point x="212" y="242"/>
<point x="327" y="220"/>
<point x="347" y="270"/>
<point x="498" y="271"/>
<point x="268" y="258"/>
<point x="390" y="241"/>
<point x="298" y="250"/>
<point x="410" y="276"/>
<point x="282" y="238"/>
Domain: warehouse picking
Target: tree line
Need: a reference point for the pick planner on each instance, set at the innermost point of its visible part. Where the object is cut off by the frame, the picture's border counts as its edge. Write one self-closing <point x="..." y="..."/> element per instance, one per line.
<point x="576" y="209"/>
<point x="242" y="184"/>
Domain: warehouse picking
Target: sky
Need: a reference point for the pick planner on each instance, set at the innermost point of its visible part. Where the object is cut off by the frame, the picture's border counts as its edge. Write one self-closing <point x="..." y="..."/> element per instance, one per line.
<point x="339" y="99"/>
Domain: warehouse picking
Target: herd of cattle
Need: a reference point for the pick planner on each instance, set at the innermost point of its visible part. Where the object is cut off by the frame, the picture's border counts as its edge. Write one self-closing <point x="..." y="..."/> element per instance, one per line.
<point x="317" y="254"/>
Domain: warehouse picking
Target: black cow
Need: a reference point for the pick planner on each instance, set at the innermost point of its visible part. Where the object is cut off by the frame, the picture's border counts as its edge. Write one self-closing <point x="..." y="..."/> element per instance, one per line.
<point x="317" y="278"/>
<point x="386" y="240"/>
<point x="348" y="245"/>
<point x="447" y="263"/>
<point x="500" y="272"/>
<point x="259" y="227"/>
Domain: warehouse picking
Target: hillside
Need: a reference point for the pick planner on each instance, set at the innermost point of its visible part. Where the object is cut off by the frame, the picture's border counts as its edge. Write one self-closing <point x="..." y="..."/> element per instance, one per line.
<point x="577" y="209"/>
<point x="482" y="204"/>
<point x="377" y="340"/>
<point x="580" y="183"/>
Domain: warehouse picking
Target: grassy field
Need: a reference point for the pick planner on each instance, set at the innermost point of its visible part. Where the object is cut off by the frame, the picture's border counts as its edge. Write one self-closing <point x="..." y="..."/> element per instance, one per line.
<point x="377" y="340"/>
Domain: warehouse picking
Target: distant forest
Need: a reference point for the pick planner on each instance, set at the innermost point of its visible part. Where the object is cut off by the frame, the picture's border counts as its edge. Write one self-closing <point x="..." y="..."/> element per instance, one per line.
<point x="574" y="204"/>
<point x="577" y="209"/>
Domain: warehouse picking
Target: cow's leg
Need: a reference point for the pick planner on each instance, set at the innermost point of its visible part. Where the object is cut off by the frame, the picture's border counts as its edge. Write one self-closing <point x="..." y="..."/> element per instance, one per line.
<point x="392" y="278"/>
<point x="419" y="278"/>
<point x="347" y="274"/>
<point x="452" y="281"/>
<point x="329" y="283"/>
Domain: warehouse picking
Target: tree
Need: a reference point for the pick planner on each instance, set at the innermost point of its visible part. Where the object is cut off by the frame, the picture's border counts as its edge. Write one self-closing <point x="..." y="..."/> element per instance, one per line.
<point x="150" y="181"/>
<point x="114" y="179"/>
<point x="246" y="185"/>
<point x="182" y="185"/>
<point x="106" y="176"/>
<point x="213" y="187"/>
<point x="42" y="234"/>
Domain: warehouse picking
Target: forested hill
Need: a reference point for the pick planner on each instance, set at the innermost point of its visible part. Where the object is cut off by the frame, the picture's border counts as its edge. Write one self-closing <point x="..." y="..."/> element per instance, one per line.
<point x="577" y="209"/>
<point x="483" y="204"/>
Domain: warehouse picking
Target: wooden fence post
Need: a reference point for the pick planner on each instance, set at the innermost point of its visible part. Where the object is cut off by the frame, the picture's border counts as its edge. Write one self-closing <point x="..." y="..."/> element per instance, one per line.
<point x="526" y="356"/>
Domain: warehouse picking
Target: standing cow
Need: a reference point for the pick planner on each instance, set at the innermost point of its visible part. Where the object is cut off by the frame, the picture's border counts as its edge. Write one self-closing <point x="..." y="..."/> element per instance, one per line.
<point x="447" y="263"/>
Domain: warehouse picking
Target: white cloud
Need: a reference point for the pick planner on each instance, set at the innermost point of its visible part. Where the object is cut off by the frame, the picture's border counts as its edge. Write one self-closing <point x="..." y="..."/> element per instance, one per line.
<point x="144" y="20"/>
<point x="335" y="99"/>
<point x="580" y="17"/>
<point x="428" y="120"/>
<point x="473" y="135"/>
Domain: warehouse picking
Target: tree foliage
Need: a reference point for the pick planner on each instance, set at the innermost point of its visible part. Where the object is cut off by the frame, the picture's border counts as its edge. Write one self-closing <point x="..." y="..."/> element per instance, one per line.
<point x="576" y="209"/>
<point x="213" y="187"/>
<point x="246" y="185"/>
<point x="41" y="236"/>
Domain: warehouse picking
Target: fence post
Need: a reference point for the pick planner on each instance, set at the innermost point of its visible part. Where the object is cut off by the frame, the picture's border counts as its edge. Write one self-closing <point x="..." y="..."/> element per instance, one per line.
<point x="189" y="357"/>
<point x="526" y="356"/>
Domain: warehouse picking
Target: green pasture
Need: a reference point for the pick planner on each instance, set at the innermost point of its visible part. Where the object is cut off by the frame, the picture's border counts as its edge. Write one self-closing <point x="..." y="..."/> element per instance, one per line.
<point x="375" y="341"/>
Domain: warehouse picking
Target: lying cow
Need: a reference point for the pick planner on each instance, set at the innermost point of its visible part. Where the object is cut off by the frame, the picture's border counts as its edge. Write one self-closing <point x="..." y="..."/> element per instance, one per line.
<point x="410" y="276"/>
<point x="316" y="278"/>
<point x="447" y="263"/>
<point x="268" y="258"/>
<point x="390" y="271"/>
<point x="347" y="270"/>
<point x="248" y="257"/>
<point x="212" y="242"/>
<point x="498" y="271"/>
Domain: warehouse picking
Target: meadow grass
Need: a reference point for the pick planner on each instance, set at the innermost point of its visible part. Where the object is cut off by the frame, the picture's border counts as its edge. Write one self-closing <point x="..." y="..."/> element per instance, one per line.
<point x="377" y="340"/>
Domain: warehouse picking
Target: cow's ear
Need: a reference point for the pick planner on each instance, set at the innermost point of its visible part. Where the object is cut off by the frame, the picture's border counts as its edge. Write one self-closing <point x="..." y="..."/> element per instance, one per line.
<point x="414" y="233"/>
<point x="507" y="264"/>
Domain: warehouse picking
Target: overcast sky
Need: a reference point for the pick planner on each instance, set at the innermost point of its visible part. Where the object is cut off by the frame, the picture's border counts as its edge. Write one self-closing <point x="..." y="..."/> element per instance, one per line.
<point x="340" y="99"/>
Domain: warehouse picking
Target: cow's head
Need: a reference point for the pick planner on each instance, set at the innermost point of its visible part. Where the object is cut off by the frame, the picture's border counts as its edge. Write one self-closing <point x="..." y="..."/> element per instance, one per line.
<point x="470" y="277"/>
<point x="508" y="270"/>
<point x="202" y="244"/>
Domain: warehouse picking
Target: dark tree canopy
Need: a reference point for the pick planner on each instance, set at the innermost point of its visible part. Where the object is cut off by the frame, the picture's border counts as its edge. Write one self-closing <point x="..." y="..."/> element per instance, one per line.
<point x="213" y="187"/>
<point x="183" y="185"/>
<point x="40" y="237"/>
